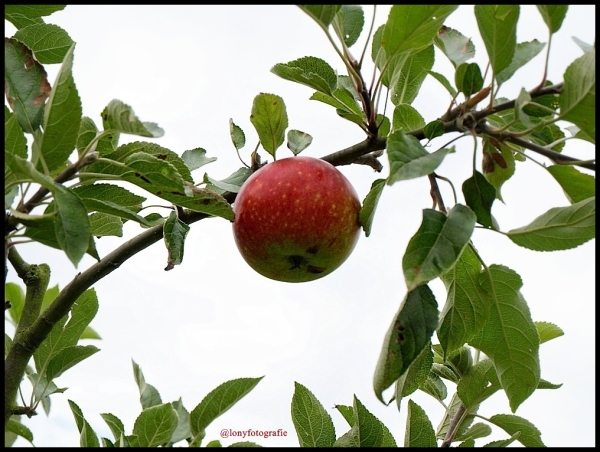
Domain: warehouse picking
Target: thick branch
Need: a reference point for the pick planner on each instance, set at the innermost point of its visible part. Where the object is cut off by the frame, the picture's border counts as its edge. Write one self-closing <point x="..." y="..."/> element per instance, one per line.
<point x="349" y="155"/>
<point x="36" y="279"/>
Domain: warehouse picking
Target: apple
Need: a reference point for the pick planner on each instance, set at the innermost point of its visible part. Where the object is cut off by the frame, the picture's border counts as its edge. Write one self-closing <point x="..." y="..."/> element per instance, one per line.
<point x="296" y="219"/>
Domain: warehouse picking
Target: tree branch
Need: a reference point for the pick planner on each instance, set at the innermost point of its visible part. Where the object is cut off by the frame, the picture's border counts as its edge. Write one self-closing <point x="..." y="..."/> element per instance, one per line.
<point x="10" y="223"/>
<point x="452" y="427"/>
<point x="556" y="157"/>
<point x="36" y="279"/>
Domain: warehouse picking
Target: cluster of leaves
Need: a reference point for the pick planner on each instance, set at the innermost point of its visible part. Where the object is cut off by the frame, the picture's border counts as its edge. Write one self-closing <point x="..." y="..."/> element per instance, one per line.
<point x="74" y="164"/>
<point x="166" y="424"/>
<point x="481" y="300"/>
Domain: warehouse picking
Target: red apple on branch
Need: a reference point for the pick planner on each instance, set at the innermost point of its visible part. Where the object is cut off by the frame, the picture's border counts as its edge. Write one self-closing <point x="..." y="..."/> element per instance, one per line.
<point x="296" y="219"/>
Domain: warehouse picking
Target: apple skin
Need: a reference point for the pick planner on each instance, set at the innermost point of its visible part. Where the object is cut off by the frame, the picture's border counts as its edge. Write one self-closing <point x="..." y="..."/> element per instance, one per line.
<point x="296" y="219"/>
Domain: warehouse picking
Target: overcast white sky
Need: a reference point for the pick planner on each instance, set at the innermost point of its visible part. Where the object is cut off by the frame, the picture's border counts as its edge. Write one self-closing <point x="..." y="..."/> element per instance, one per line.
<point x="192" y="68"/>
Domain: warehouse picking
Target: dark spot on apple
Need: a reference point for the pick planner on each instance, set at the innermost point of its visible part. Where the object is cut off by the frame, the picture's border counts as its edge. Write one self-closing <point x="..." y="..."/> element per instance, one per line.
<point x="313" y="250"/>
<point x="297" y="262"/>
<point x="316" y="270"/>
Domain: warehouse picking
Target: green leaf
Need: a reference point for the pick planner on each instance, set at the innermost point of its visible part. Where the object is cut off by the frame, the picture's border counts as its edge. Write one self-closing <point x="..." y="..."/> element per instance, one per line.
<point x="560" y="228"/>
<point x="529" y="436"/>
<point x="87" y="437"/>
<point x="468" y="78"/>
<point x="16" y="427"/>
<point x="231" y="183"/>
<point x="238" y="138"/>
<point x="578" y="96"/>
<point x="67" y="358"/>
<point x="346" y="97"/>
<point x="510" y="338"/>
<point x="72" y="225"/>
<point x="195" y="158"/>
<point x="415" y="375"/>
<point x="479" y="196"/>
<point x="149" y="395"/>
<point x="312" y="423"/>
<point x="586" y="47"/>
<point x="576" y="185"/>
<point x="62" y="117"/>
<point x="503" y="442"/>
<point x="409" y="159"/>
<point x="409" y="333"/>
<point x="114" y="423"/>
<point x="14" y="293"/>
<point x="175" y="232"/>
<point x="347" y="413"/>
<point x="524" y="52"/>
<point x="348" y="23"/>
<point x="44" y="232"/>
<point x="437" y="245"/>
<point x="43" y="389"/>
<point x="419" y="431"/>
<point x="434" y="386"/>
<point x="498" y="27"/>
<point x="269" y="118"/>
<point x="23" y="15"/>
<point x="217" y="402"/>
<point x="155" y="425"/>
<point x="49" y="42"/>
<point x="413" y="27"/>
<point x="367" y="431"/>
<point x="407" y="118"/>
<point x="298" y="141"/>
<point x="367" y="211"/>
<point x="467" y="304"/>
<point x="26" y="85"/>
<point x="544" y="384"/>
<point x="410" y="76"/>
<point x="202" y="200"/>
<point x="445" y="372"/>
<point x="120" y="117"/>
<point x="183" y="430"/>
<point x="65" y="333"/>
<point x="322" y="14"/>
<point x="145" y="162"/>
<point x="478" y="430"/>
<point x="89" y="333"/>
<point x="548" y="331"/>
<point x="434" y="129"/>
<point x="87" y="132"/>
<point x="457" y="47"/>
<point x="553" y="15"/>
<point x="111" y="199"/>
<point x="15" y="143"/>
<point x="445" y="83"/>
<point x="310" y="71"/>
<point x="460" y="360"/>
<point x="478" y="384"/>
